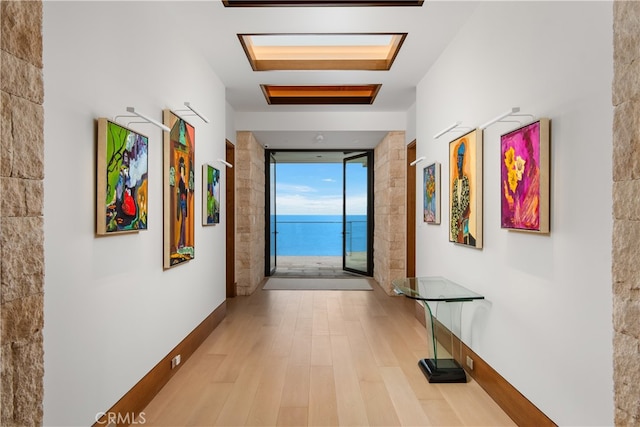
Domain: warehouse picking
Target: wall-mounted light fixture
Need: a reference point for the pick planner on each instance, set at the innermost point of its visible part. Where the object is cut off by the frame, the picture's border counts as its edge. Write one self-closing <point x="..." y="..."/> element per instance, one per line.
<point x="224" y="162"/>
<point x="416" y="161"/>
<point x="501" y="117"/>
<point x="147" y="119"/>
<point x="448" y="129"/>
<point x="196" y="112"/>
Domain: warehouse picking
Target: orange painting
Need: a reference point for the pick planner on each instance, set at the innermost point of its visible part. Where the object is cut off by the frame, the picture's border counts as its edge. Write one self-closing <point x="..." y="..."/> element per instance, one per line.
<point x="179" y="215"/>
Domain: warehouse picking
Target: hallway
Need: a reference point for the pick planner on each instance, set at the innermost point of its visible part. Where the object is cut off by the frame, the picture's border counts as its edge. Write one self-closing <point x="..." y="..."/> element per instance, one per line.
<point x="317" y="358"/>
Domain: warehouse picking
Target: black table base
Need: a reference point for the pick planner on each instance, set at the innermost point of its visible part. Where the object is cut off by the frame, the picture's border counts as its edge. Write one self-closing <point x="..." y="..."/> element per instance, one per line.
<point x="448" y="371"/>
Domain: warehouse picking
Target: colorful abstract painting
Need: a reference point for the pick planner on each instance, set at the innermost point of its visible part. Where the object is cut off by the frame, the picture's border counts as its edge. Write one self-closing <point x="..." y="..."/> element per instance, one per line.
<point x="524" y="189"/>
<point x="465" y="190"/>
<point x="210" y="195"/>
<point x="431" y="185"/>
<point x="122" y="179"/>
<point x="179" y="186"/>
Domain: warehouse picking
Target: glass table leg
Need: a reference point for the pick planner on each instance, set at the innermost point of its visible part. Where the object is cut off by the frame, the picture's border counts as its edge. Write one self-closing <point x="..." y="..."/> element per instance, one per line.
<point x="443" y="369"/>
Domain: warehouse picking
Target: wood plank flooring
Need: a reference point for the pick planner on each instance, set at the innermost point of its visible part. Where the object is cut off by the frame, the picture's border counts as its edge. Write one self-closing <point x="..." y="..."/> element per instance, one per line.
<point x="317" y="358"/>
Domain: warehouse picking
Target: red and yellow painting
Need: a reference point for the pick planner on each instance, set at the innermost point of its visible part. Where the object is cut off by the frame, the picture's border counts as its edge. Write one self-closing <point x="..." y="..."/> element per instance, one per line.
<point x="524" y="189"/>
<point x="179" y="188"/>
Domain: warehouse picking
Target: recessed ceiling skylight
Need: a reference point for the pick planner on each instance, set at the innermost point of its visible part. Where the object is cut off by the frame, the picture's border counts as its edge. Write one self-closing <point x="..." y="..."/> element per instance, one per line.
<point x="321" y="51"/>
<point x="318" y="95"/>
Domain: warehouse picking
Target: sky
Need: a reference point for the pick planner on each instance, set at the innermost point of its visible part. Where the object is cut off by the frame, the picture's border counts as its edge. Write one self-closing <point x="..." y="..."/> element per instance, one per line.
<point x="316" y="189"/>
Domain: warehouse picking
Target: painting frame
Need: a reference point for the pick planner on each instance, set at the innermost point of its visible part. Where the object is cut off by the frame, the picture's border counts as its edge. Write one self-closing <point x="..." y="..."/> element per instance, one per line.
<point x="122" y="179"/>
<point x="525" y="178"/>
<point x="431" y="193"/>
<point x="465" y="190"/>
<point x="179" y="190"/>
<point x="210" y="195"/>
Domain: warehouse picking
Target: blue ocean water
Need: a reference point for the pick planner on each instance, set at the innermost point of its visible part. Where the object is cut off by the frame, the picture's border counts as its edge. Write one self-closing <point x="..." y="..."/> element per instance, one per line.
<point x="319" y="235"/>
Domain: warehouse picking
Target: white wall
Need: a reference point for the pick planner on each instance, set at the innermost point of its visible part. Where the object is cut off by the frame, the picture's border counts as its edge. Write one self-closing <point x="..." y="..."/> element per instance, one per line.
<point x="111" y="312"/>
<point x="410" y="132"/>
<point x="546" y="322"/>
<point x="230" y="124"/>
<point x="327" y="121"/>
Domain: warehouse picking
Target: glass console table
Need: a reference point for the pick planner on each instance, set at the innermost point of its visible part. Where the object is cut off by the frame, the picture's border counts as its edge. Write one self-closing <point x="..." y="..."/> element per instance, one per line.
<point x="443" y="325"/>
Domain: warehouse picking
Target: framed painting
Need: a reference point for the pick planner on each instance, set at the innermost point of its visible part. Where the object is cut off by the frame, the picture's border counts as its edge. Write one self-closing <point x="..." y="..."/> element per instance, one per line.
<point x="179" y="186"/>
<point x="524" y="183"/>
<point x="431" y="181"/>
<point x="210" y="195"/>
<point x="465" y="190"/>
<point x="122" y="179"/>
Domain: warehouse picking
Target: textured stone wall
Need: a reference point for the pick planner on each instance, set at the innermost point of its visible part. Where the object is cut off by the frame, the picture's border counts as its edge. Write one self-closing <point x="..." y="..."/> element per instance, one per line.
<point x="250" y="220"/>
<point x="389" y="245"/>
<point x="626" y="212"/>
<point x="21" y="213"/>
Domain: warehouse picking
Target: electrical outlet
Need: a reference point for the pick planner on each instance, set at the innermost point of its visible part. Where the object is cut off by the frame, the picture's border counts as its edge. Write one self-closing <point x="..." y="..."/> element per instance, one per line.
<point x="175" y="361"/>
<point x="470" y="362"/>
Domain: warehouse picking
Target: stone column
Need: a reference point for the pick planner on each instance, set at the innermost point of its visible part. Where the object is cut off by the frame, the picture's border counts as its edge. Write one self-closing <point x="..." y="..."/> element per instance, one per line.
<point x="21" y="213"/>
<point x="390" y="212"/>
<point x="250" y="213"/>
<point x="626" y="212"/>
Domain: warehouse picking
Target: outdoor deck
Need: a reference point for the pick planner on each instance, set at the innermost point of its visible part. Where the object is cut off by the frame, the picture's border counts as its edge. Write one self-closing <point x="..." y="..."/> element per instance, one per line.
<point x="310" y="266"/>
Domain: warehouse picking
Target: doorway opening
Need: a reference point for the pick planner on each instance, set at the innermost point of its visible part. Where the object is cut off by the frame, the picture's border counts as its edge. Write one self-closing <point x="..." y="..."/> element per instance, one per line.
<point x="319" y="216"/>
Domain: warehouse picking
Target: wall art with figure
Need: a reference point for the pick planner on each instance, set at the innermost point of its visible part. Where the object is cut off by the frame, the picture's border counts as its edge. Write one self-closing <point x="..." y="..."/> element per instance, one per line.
<point x="465" y="190"/>
<point x="431" y="185"/>
<point x="210" y="195"/>
<point x="524" y="184"/>
<point x="122" y="179"/>
<point x="179" y="186"/>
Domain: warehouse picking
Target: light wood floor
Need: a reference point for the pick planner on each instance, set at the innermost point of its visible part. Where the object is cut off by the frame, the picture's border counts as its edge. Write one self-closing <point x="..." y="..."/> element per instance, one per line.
<point x="317" y="358"/>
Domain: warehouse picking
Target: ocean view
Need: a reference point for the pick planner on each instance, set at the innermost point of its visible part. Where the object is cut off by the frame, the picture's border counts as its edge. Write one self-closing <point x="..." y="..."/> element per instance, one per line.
<point x="319" y="235"/>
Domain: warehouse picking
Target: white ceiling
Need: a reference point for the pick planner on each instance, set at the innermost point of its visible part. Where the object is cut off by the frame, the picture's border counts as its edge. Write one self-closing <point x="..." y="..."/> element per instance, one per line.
<point x="315" y="156"/>
<point x="320" y="140"/>
<point x="213" y="29"/>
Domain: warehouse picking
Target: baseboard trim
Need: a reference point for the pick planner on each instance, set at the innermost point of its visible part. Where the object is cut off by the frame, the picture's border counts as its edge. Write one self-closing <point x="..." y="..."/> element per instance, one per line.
<point x="512" y="402"/>
<point x="129" y="407"/>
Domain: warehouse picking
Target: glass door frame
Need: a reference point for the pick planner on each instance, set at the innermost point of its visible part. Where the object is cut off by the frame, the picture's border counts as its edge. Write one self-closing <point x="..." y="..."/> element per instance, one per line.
<point x="269" y="234"/>
<point x="368" y="154"/>
<point x="270" y="228"/>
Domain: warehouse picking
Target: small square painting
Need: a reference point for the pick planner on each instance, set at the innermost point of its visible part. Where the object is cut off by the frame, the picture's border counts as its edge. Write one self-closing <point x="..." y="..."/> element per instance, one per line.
<point x="431" y="185"/>
<point x="210" y="195"/>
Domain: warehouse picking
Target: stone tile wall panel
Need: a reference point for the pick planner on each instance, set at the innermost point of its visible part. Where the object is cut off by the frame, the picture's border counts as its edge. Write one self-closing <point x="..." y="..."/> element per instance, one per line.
<point x="626" y="137"/>
<point x="628" y="85"/>
<point x="6" y="137"/>
<point x="28" y="392"/>
<point x="21" y="210"/>
<point x="20" y="30"/>
<point x="390" y="210"/>
<point x="6" y="397"/>
<point x="626" y="36"/>
<point x="28" y="139"/>
<point x="250" y="214"/>
<point x="625" y="205"/>
<point x="626" y="212"/>
<point x="20" y="78"/>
